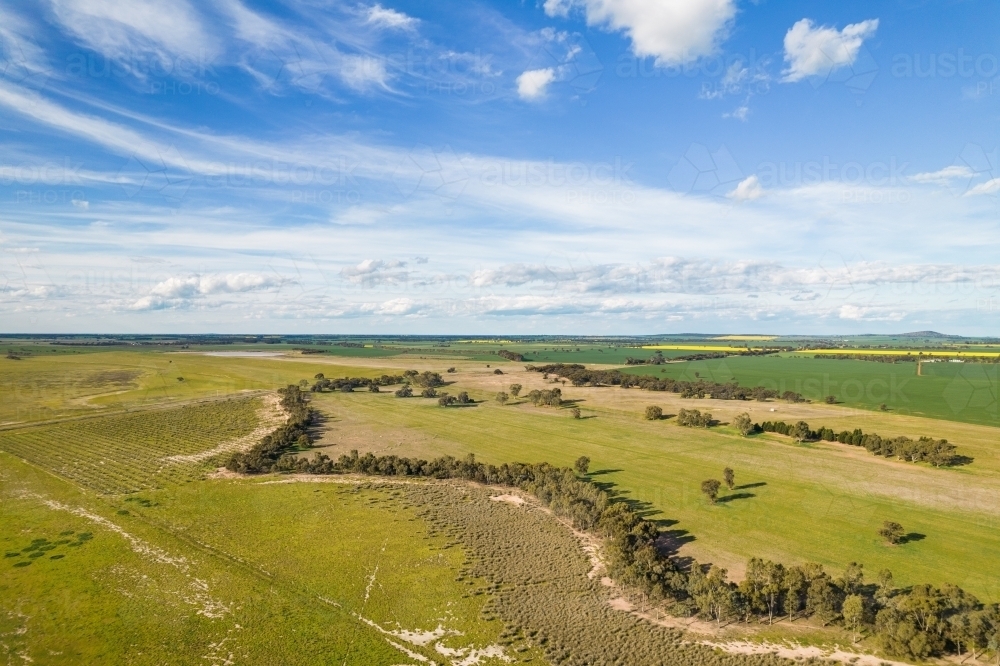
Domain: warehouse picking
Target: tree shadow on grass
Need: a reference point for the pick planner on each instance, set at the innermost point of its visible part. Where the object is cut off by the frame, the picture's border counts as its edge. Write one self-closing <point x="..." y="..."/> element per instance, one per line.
<point x="913" y="536"/>
<point x="600" y="472"/>
<point x="735" y="496"/>
<point x="747" y="486"/>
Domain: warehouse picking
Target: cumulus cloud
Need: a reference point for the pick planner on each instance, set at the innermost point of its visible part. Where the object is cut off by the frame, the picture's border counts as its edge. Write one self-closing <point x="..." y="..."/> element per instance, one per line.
<point x="374" y="272"/>
<point x="748" y="189"/>
<point x="390" y="18"/>
<point x="670" y="31"/>
<point x="177" y="291"/>
<point x="812" y="50"/>
<point x="532" y="84"/>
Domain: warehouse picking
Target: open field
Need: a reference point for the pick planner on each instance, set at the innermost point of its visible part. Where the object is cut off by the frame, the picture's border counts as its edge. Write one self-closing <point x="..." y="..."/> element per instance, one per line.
<point x="965" y="392"/>
<point x="223" y="573"/>
<point x="134" y="462"/>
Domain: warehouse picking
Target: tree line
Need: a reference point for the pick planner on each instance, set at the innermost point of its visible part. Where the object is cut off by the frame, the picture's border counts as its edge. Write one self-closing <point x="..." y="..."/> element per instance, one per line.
<point x="579" y="375"/>
<point x="269" y="454"/>
<point x="510" y="356"/>
<point x="916" y="622"/>
<point x="937" y="452"/>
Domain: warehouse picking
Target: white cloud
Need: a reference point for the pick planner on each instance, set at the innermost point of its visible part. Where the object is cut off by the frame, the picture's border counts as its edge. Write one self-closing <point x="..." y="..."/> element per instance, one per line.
<point x="671" y="31"/>
<point x="167" y="29"/>
<point x="360" y="72"/>
<point x="390" y="18"/>
<point x="371" y="272"/>
<point x="533" y="83"/>
<point x="818" y="51"/>
<point x="81" y="204"/>
<point x="991" y="186"/>
<point x="741" y="113"/>
<point x="861" y="313"/>
<point x="178" y="291"/>
<point x="748" y="189"/>
<point x="944" y="176"/>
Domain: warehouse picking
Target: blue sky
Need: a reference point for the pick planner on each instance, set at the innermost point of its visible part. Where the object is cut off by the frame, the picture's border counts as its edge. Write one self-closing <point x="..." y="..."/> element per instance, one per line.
<point x="559" y="166"/>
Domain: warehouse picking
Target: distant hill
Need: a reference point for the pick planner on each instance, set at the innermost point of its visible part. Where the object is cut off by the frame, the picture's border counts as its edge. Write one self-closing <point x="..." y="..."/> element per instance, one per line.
<point x="927" y="334"/>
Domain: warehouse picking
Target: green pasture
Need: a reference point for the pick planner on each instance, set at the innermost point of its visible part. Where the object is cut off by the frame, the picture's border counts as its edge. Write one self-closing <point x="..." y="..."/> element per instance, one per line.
<point x="224" y="572"/>
<point x="966" y="392"/>
<point x="793" y="503"/>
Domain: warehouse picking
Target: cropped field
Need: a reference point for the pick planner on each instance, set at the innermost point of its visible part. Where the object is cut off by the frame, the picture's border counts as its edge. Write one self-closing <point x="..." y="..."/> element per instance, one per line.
<point x="124" y="453"/>
<point x="966" y="392"/>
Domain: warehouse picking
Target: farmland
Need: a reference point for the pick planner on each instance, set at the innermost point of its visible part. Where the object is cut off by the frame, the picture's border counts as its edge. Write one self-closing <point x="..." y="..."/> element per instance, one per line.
<point x="115" y="480"/>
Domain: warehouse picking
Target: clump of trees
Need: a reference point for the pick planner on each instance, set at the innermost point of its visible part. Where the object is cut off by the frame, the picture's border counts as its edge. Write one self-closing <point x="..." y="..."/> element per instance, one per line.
<point x="461" y="399"/>
<point x="892" y="532"/>
<point x="548" y="397"/>
<point x="693" y="418"/>
<point x="502" y="398"/>
<point x="937" y="452"/>
<point x="654" y="413"/>
<point x="515" y="390"/>
<point x="348" y="384"/>
<point x="429" y="393"/>
<point x="266" y="455"/>
<point x="510" y="356"/>
<point x="404" y="392"/>
<point x="427" y="379"/>
<point x="743" y="424"/>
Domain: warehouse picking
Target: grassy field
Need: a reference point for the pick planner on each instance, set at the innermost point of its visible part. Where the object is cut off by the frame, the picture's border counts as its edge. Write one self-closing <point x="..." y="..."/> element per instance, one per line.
<point x="226" y="572"/>
<point x="965" y="392"/>
<point x="819" y="502"/>
<point x="292" y="563"/>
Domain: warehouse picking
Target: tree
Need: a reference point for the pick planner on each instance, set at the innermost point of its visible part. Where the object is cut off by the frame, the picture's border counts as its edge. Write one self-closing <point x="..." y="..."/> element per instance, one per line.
<point x="729" y="476"/>
<point x="575" y="412"/>
<point x="447" y="400"/>
<point x="319" y="375"/>
<point x="794" y="583"/>
<point x="502" y="398"/>
<point x="854" y="614"/>
<point x="654" y="413"/>
<point x="892" y="532"/>
<point x="801" y="431"/>
<point x="498" y="371"/>
<point x="743" y="424"/>
<point x="692" y="418"/>
<point x="463" y="398"/>
<point x="515" y="390"/>
<point x="711" y="489"/>
<point x="831" y="400"/>
<point x="373" y="388"/>
<point x="582" y="464"/>
<point x="404" y="392"/>
<point x="429" y="393"/>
